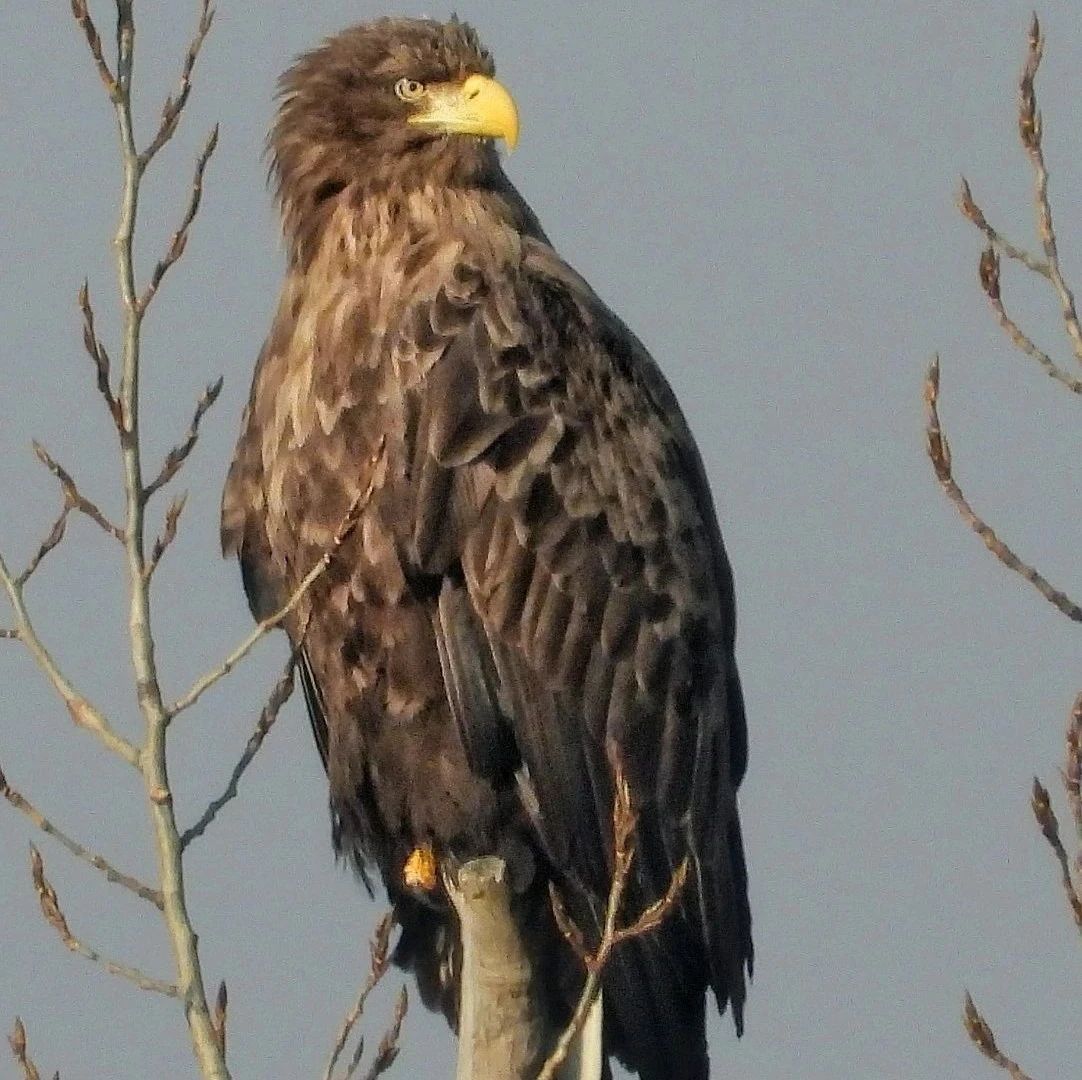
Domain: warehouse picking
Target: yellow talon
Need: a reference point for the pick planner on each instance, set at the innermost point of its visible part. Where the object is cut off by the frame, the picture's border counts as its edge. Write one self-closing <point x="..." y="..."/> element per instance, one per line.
<point x="420" y="869"/>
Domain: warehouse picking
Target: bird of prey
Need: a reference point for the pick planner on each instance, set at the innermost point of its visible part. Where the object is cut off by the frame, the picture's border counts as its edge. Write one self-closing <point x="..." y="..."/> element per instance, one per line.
<point x="535" y="589"/>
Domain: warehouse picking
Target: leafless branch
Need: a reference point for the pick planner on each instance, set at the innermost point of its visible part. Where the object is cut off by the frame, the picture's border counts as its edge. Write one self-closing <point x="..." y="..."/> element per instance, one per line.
<point x="179" y="454"/>
<point x="1072" y="770"/>
<point x="73" y="496"/>
<point x="83" y="714"/>
<point x="380" y="962"/>
<point x="168" y="534"/>
<point x="624" y="818"/>
<point x="279" y="696"/>
<point x="24" y="806"/>
<point x="1031" y="130"/>
<point x="387" y="1050"/>
<point x="981" y="1035"/>
<point x="17" y="1042"/>
<point x="97" y="353"/>
<point x="989" y="275"/>
<point x="151" y="759"/>
<point x="1041" y="804"/>
<point x="268" y="624"/>
<point x="82" y="17"/>
<point x="51" y="541"/>
<point x="939" y="453"/>
<point x="174" y="106"/>
<point x="179" y="239"/>
<point x="221" y="1012"/>
<point x="50" y="908"/>
<point x="975" y="214"/>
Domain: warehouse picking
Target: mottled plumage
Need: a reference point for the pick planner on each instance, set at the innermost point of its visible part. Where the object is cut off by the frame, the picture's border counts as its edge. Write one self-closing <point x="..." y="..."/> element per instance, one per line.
<point x="537" y="585"/>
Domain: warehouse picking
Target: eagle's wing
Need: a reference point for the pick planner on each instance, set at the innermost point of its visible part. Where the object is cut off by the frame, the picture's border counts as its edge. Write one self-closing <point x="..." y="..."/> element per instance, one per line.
<point x="542" y="474"/>
<point x="594" y="612"/>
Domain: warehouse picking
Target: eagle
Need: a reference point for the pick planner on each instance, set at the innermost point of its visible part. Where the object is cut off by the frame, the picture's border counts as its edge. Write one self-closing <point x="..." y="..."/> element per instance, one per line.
<point x="534" y="592"/>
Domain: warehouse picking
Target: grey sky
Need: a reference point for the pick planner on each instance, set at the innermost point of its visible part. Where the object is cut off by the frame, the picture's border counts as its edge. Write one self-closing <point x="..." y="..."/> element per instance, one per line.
<point x="765" y="193"/>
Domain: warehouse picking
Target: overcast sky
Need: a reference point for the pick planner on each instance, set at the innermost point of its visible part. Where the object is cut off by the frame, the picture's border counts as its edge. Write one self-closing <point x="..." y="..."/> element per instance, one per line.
<point x="765" y="194"/>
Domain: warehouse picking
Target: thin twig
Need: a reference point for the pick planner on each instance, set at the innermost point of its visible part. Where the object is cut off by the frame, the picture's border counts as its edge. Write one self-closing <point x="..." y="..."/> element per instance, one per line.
<point x="112" y="874"/>
<point x="51" y="541"/>
<point x="387" y="1050"/>
<point x="205" y="1039"/>
<point x="179" y="454"/>
<point x="279" y="696"/>
<point x="93" y="39"/>
<point x="73" y="496"/>
<point x="624" y="819"/>
<point x="179" y="239"/>
<point x="1031" y="129"/>
<point x="989" y="276"/>
<point x="939" y="453"/>
<point x="975" y="214"/>
<point x="268" y="624"/>
<point x="1041" y="804"/>
<point x="168" y="533"/>
<point x="97" y="353"/>
<point x="221" y="1012"/>
<point x="981" y="1035"/>
<point x="379" y="962"/>
<point x="1072" y="769"/>
<point x="174" y="106"/>
<point x="81" y="711"/>
<point x="17" y="1042"/>
<point x="50" y="908"/>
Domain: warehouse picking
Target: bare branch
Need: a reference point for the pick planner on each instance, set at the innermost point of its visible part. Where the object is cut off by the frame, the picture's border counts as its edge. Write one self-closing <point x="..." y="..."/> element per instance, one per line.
<point x="1049" y="825"/>
<point x="975" y="214"/>
<point x="179" y="454"/>
<point x="939" y="453"/>
<point x="74" y="497"/>
<point x="96" y="352"/>
<point x="116" y="877"/>
<point x="86" y="24"/>
<point x="153" y="757"/>
<point x="379" y="952"/>
<point x="268" y="624"/>
<point x="1030" y="130"/>
<point x="221" y="1011"/>
<point x="387" y="1050"/>
<point x="179" y="240"/>
<point x="279" y="696"/>
<point x="81" y="711"/>
<point x="567" y="926"/>
<point x="355" y="1061"/>
<point x="174" y="106"/>
<point x="56" y="534"/>
<point x="989" y="275"/>
<point x="168" y="534"/>
<point x="50" y="908"/>
<point x="981" y="1035"/>
<point x="1072" y="771"/>
<point x="624" y="818"/>
<point x="17" y="1042"/>
<point x="659" y="910"/>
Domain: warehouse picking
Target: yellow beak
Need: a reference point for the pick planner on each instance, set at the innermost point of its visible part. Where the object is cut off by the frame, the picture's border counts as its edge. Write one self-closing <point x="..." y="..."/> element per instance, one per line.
<point x="479" y="106"/>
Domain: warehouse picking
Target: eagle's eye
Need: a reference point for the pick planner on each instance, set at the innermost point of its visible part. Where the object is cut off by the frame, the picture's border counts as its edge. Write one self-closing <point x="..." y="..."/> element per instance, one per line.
<point x="409" y="89"/>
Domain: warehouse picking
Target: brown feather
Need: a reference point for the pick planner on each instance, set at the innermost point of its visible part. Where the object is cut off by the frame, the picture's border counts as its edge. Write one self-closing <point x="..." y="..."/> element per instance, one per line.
<point x="537" y="582"/>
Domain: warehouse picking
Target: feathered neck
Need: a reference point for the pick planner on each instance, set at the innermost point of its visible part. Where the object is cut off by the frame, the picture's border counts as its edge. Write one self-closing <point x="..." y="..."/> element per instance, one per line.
<point x="440" y="186"/>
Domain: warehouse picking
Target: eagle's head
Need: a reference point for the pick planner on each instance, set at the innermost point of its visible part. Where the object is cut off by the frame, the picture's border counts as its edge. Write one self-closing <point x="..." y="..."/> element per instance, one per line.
<point x="395" y="103"/>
